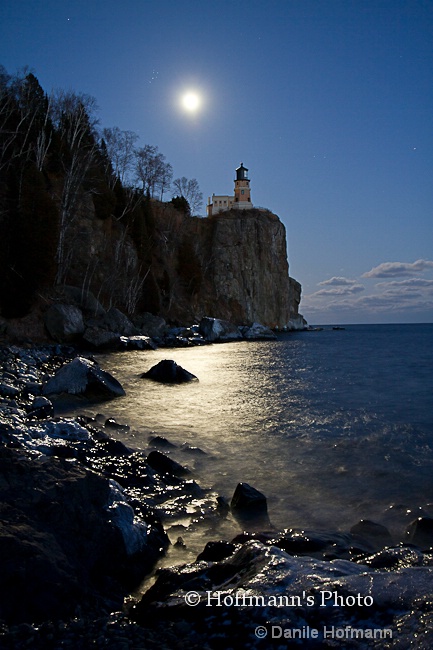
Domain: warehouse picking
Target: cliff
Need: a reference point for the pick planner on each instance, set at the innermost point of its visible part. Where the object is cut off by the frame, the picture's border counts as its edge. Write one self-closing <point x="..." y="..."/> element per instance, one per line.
<point x="232" y="266"/>
<point x="248" y="272"/>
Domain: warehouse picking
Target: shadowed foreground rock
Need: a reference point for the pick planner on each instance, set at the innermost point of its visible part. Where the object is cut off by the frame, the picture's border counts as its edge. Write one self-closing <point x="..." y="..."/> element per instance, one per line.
<point x="68" y="539"/>
<point x="262" y="588"/>
<point x="168" y="372"/>
<point x="83" y="377"/>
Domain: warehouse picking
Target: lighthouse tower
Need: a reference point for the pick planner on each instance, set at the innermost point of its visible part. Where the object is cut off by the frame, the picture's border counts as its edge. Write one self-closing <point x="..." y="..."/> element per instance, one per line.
<point x="242" y="189"/>
<point x="241" y="200"/>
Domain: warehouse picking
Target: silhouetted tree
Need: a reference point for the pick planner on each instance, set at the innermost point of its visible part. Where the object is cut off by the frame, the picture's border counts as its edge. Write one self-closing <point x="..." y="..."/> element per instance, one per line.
<point x="190" y="190"/>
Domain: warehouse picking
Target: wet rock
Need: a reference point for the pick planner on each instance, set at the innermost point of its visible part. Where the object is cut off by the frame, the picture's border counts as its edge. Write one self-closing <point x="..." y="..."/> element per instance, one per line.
<point x="165" y="465"/>
<point x="248" y="501"/>
<point x="394" y="558"/>
<point x="217" y="551"/>
<point x="161" y="442"/>
<point x="217" y="330"/>
<point x="68" y="540"/>
<point x="138" y="342"/>
<point x="317" y="544"/>
<point x="8" y="390"/>
<point x="288" y="593"/>
<point x="258" y="332"/>
<point x="195" y="451"/>
<point x="83" y="377"/>
<point x="64" y="322"/>
<point x="168" y="372"/>
<point x="41" y="408"/>
<point x="110" y="423"/>
<point x="420" y="532"/>
<point x="375" y="533"/>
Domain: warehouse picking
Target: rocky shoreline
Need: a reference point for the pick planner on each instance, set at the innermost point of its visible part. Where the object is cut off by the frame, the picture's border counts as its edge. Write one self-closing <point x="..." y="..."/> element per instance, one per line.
<point x="83" y="522"/>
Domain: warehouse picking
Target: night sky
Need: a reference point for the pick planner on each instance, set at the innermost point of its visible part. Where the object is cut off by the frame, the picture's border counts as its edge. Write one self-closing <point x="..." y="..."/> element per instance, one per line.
<point x="328" y="103"/>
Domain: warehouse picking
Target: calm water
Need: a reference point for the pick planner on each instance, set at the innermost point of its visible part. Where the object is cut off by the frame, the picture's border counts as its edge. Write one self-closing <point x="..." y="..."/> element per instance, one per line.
<point x="333" y="426"/>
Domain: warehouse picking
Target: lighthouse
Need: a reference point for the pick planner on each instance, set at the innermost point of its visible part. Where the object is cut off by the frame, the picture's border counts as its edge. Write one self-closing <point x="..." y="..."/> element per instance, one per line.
<point x="242" y="189"/>
<point x="241" y="200"/>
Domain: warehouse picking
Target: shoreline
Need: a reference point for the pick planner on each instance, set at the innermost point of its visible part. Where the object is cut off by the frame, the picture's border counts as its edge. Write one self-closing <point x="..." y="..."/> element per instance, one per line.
<point x="320" y="547"/>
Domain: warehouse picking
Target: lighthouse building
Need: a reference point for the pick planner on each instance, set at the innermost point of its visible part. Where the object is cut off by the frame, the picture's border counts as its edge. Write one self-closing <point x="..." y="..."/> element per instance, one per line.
<point x="240" y="200"/>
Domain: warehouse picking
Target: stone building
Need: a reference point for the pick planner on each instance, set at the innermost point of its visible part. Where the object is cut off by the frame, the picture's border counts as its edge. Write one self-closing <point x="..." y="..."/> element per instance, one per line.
<point x="240" y="200"/>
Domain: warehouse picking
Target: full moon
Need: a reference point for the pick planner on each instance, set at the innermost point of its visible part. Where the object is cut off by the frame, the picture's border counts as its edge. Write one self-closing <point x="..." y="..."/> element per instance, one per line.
<point x="191" y="101"/>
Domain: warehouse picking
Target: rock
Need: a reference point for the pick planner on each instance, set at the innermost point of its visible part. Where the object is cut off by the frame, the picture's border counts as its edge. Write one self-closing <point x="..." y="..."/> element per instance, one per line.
<point x="150" y="325"/>
<point x="7" y="390"/>
<point x="420" y="532"/>
<point x="68" y="540"/>
<point x="216" y="551"/>
<point x="115" y="321"/>
<point x="377" y="534"/>
<point x="297" y="595"/>
<point x="40" y="408"/>
<point x="165" y="465"/>
<point x="248" y="501"/>
<point x="84" y="300"/>
<point x="321" y="544"/>
<point x="84" y="377"/>
<point x="258" y="332"/>
<point x="168" y="372"/>
<point x="64" y="322"/>
<point x="110" y="423"/>
<point x="138" y="342"/>
<point x="100" y="338"/>
<point x="160" y="441"/>
<point x="217" y="330"/>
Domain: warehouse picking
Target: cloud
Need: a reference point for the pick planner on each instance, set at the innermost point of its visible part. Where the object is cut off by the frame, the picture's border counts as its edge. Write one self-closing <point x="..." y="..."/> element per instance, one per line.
<point x="398" y="269"/>
<point x="338" y="291"/>
<point x="337" y="282"/>
<point x="411" y="283"/>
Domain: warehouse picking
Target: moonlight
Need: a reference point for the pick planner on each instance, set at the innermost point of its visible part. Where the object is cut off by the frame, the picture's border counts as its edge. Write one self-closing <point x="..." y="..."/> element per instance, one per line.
<point x="191" y="101"/>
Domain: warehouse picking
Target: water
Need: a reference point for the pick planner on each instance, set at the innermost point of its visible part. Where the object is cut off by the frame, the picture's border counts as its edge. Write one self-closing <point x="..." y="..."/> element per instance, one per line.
<point x="332" y="426"/>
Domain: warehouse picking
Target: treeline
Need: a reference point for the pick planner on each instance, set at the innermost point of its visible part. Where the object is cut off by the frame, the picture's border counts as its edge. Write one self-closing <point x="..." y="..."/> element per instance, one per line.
<point x="57" y="168"/>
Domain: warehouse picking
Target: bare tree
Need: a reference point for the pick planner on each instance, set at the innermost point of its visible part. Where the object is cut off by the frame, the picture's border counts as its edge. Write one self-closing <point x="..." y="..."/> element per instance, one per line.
<point x="152" y="170"/>
<point x="121" y="151"/>
<point x="24" y="117"/>
<point x="190" y="190"/>
<point x="73" y="115"/>
<point x="165" y="177"/>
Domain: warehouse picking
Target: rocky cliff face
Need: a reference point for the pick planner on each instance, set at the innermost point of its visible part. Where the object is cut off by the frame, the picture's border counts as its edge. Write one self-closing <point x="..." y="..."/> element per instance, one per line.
<point x="249" y="271"/>
<point x="232" y="266"/>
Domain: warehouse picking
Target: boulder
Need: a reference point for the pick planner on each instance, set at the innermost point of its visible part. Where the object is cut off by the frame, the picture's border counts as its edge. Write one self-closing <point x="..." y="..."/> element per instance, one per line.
<point x="168" y="372"/>
<point x="40" y="408"/>
<point x="420" y="532"/>
<point x="150" y="325"/>
<point x="217" y="330"/>
<point x="100" y="338"/>
<point x="374" y="533"/>
<point x="248" y="501"/>
<point x="64" y="322"/>
<point x="165" y="465"/>
<point x="68" y="540"/>
<point x="115" y="321"/>
<point x="285" y="593"/>
<point x="83" y="377"/>
<point x="84" y="300"/>
<point x="258" y="332"/>
<point x="139" y="342"/>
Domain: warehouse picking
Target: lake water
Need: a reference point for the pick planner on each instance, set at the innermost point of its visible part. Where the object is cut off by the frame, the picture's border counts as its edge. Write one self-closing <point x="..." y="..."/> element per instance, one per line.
<point x="332" y="426"/>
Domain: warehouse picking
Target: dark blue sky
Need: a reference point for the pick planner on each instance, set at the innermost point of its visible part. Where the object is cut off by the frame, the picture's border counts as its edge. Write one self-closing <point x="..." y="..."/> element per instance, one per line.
<point x="329" y="104"/>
